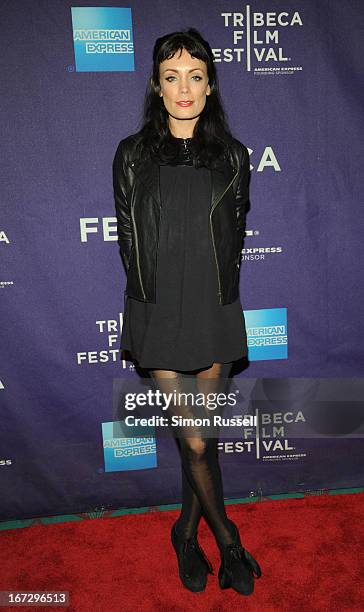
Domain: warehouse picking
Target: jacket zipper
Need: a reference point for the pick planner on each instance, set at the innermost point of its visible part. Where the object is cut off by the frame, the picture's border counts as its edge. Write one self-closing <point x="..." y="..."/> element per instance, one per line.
<point x="212" y="231"/>
<point x="137" y="251"/>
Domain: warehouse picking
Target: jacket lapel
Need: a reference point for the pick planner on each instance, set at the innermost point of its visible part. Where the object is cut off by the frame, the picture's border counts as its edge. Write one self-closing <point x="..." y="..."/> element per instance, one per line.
<point x="220" y="180"/>
<point x="147" y="172"/>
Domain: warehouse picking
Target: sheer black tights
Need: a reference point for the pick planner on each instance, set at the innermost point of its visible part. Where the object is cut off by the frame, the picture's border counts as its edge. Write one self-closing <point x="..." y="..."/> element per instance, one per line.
<point x="202" y="490"/>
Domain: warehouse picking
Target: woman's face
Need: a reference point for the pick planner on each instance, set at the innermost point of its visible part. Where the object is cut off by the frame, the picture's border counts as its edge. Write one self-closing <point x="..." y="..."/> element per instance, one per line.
<point x="183" y="78"/>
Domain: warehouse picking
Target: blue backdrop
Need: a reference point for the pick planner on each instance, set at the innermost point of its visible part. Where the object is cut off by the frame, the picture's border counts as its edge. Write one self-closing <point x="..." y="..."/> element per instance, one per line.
<point x="73" y="81"/>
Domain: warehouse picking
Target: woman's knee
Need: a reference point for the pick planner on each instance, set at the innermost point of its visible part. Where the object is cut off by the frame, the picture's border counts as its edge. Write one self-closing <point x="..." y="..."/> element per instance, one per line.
<point x="159" y="373"/>
<point x="194" y="446"/>
<point x="197" y="448"/>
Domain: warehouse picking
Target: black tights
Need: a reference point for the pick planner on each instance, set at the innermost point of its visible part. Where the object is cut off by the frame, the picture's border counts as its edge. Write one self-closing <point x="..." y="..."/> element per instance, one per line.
<point x="202" y="490"/>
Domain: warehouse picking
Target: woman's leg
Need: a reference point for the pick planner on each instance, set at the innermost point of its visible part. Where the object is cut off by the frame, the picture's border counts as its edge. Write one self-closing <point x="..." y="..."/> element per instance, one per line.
<point x="238" y="567"/>
<point x="199" y="455"/>
<point x="214" y="380"/>
<point x="191" y="511"/>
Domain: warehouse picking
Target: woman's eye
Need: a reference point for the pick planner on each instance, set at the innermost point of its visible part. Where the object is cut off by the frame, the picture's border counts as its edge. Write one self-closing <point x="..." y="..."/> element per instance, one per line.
<point x="198" y="78"/>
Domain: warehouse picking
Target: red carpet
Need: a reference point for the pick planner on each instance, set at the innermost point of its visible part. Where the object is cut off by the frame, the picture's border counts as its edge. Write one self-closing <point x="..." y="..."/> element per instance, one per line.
<point x="310" y="551"/>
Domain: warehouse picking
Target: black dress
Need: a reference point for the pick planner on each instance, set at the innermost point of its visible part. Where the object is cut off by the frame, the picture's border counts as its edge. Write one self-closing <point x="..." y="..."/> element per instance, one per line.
<point x="186" y="329"/>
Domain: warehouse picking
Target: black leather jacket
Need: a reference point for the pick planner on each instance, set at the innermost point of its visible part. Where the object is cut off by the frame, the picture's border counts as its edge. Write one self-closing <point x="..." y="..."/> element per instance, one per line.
<point x="138" y="205"/>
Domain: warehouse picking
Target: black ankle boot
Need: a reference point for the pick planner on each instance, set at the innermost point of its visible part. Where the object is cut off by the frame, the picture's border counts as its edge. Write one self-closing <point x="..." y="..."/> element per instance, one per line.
<point x="238" y="567"/>
<point x="193" y="565"/>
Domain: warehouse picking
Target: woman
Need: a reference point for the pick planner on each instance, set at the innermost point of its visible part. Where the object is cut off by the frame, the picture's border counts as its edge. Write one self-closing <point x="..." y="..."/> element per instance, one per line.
<point x="181" y="190"/>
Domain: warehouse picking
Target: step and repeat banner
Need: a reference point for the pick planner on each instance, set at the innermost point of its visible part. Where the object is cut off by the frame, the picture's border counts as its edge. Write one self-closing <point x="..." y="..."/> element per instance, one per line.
<point x="74" y="76"/>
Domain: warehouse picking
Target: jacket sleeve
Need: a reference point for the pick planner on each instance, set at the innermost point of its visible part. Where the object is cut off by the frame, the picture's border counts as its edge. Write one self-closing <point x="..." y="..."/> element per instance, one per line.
<point x="122" y="206"/>
<point x="242" y="192"/>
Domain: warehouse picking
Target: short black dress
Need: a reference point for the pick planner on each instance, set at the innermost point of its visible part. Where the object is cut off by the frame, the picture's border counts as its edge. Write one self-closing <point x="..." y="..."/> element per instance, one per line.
<point x="186" y="329"/>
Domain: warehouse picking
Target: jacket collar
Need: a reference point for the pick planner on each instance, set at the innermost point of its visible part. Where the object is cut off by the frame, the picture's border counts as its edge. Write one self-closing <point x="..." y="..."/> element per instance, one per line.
<point x="147" y="170"/>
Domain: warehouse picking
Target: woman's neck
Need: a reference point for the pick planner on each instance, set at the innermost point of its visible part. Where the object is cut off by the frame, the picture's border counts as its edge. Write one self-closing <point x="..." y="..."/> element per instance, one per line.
<point x="182" y="129"/>
<point x="184" y="135"/>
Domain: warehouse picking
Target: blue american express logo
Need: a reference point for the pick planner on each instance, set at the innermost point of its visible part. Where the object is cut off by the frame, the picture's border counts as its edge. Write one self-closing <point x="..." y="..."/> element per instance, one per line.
<point x="102" y="39"/>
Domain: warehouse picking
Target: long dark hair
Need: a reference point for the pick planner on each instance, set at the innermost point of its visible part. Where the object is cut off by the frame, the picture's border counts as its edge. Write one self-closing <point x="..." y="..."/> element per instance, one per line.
<point x="211" y="132"/>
